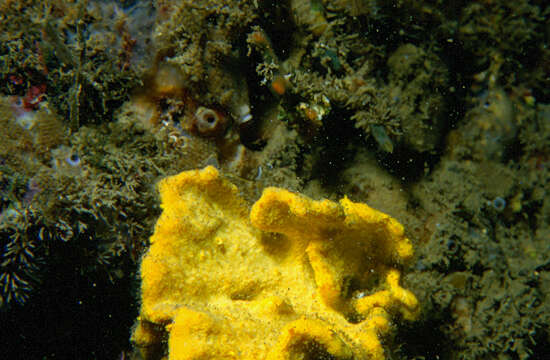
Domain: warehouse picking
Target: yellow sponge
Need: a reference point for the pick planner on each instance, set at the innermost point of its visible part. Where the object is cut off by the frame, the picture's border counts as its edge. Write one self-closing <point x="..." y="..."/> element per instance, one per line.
<point x="298" y="278"/>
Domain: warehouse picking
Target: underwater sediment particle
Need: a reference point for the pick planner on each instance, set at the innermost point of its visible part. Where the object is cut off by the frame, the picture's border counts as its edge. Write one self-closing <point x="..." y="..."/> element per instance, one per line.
<point x="294" y="278"/>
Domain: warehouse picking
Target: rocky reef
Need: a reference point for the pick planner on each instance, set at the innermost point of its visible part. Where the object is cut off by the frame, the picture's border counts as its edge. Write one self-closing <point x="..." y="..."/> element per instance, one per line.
<point x="433" y="112"/>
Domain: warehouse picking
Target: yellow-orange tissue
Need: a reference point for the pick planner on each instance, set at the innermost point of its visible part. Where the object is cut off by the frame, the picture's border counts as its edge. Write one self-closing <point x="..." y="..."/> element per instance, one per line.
<point x="295" y="278"/>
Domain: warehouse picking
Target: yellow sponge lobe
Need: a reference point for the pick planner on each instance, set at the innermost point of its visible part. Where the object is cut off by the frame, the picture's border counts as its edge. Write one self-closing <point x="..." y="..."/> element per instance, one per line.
<point x="297" y="278"/>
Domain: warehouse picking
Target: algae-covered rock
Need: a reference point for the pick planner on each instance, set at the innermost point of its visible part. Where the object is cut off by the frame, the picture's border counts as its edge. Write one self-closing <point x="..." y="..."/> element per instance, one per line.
<point x="418" y="82"/>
